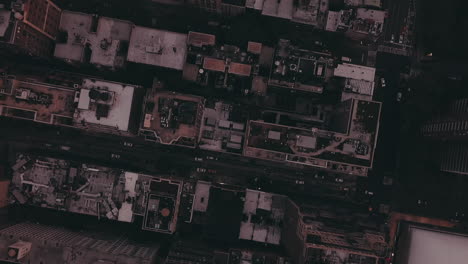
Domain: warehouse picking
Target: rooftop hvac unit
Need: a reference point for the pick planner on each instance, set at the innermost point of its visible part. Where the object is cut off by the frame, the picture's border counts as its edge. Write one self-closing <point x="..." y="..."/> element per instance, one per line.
<point x="94" y="94"/>
<point x="104" y="96"/>
<point x="19" y="250"/>
<point x="76" y="86"/>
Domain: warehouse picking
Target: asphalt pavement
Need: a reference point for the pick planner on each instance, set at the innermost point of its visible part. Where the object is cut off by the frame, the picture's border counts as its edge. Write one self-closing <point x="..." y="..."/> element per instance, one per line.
<point x="147" y="157"/>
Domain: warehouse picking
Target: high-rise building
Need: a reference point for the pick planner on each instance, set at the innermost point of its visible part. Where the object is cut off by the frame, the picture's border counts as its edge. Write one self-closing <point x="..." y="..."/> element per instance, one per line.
<point x="30" y="25"/>
<point x="318" y="234"/>
<point x="41" y="244"/>
<point x="451" y="128"/>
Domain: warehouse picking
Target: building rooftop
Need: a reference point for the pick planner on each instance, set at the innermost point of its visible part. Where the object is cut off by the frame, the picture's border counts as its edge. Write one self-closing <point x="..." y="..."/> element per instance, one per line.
<point x="42" y="15"/>
<point x="255" y="4"/>
<point x="39" y="102"/>
<point x="202" y="195"/>
<point x="295" y="68"/>
<point x="100" y="41"/>
<point x="356" y="72"/>
<point x="263" y="213"/>
<point x="377" y="16"/>
<point x="333" y="18"/>
<point x="157" y="47"/>
<point x="162" y="207"/>
<point x="98" y="191"/>
<point x="171" y="118"/>
<point x="310" y="12"/>
<point x="420" y="244"/>
<point x="275" y="8"/>
<point x="374" y="3"/>
<point x="229" y="66"/>
<point x="223" y="127"/>
<point x="59" y="245"/>
<point x="350" y="150"/>
<point x="254" y="47"/>
<point x="333" y="232"/>
<point x="212" y="64"/>
<point x="77" y="26"/>
<point x="198" y="39"/>
<point x="356" y="22"/>
<point x="359" y="80"/>
<point x="105" y="103"/>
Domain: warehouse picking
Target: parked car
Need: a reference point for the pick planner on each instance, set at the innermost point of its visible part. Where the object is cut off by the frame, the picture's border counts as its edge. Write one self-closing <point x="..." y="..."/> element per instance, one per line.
<point x="301" y="182"/>
<point x="338" y="180"/>
<point x="198" y="159"/>
<point x="382" y="82"/>
<point x="201" y="170"/>
<point x="211" y="158"/>
<point x="128" y="144"/>
<point x="115" y="156"/>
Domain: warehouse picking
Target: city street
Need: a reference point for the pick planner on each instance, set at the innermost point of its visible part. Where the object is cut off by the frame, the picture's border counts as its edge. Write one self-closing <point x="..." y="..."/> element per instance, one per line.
<point x="147" y="157"/>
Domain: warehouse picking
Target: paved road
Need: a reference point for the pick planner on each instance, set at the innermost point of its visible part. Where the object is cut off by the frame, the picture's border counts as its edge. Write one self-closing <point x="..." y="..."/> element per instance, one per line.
<point x="397" y="18"/>
<point x="148" y="157"/>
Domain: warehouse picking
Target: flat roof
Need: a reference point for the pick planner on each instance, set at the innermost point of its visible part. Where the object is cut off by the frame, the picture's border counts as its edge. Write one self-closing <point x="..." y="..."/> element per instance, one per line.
<point x="309" y="13"/>
<point x="296" y="68"/>
<point x="332" y="20"/>
<point x="157" y="47"/>
<point x="377" y="16"/>
<point x="152" y="120"/>
<point x="200" y="39"/>
<point x="431" y="246"/>
<point x="214" y="64"/>
<point x="255" y="4"/>
<point x="240" y="69"/>
<point x="275" y="8"/>
<point x="254" y="47"/>
<point x="104" y="43"/>
<point x="5" y="18"/>
<point x="293" y="144"/>
<point x="202" y="196"/>
<point x="354" y="71"/>
<point x="361" y="86"/>
<point x="376" y="3"/>
<point x="78" y="26"/>
<point x="218" y="125"/>
<point x="93" y="195"/>
<point x="260" y="231"/>
<point x="110" y="34"/>
<point x="26" y="97"/>
<point x="120" y="104"/>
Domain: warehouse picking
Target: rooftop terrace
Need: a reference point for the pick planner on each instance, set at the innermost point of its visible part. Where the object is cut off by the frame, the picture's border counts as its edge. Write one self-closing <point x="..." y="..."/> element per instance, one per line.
<point x="223" y="127"/>
<point x="349" y="151"/>
<point x="224" y="63"/>
<point x="171" y="118"/>
<point x="300" y="69"/>
<point x="36" y="101"/>
<point x="96" y="190"/>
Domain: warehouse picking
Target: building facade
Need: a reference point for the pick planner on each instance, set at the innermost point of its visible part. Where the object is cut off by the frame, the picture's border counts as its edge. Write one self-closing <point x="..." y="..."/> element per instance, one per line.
<point x="40" y="244"/>
<point x="33" y="26"/>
